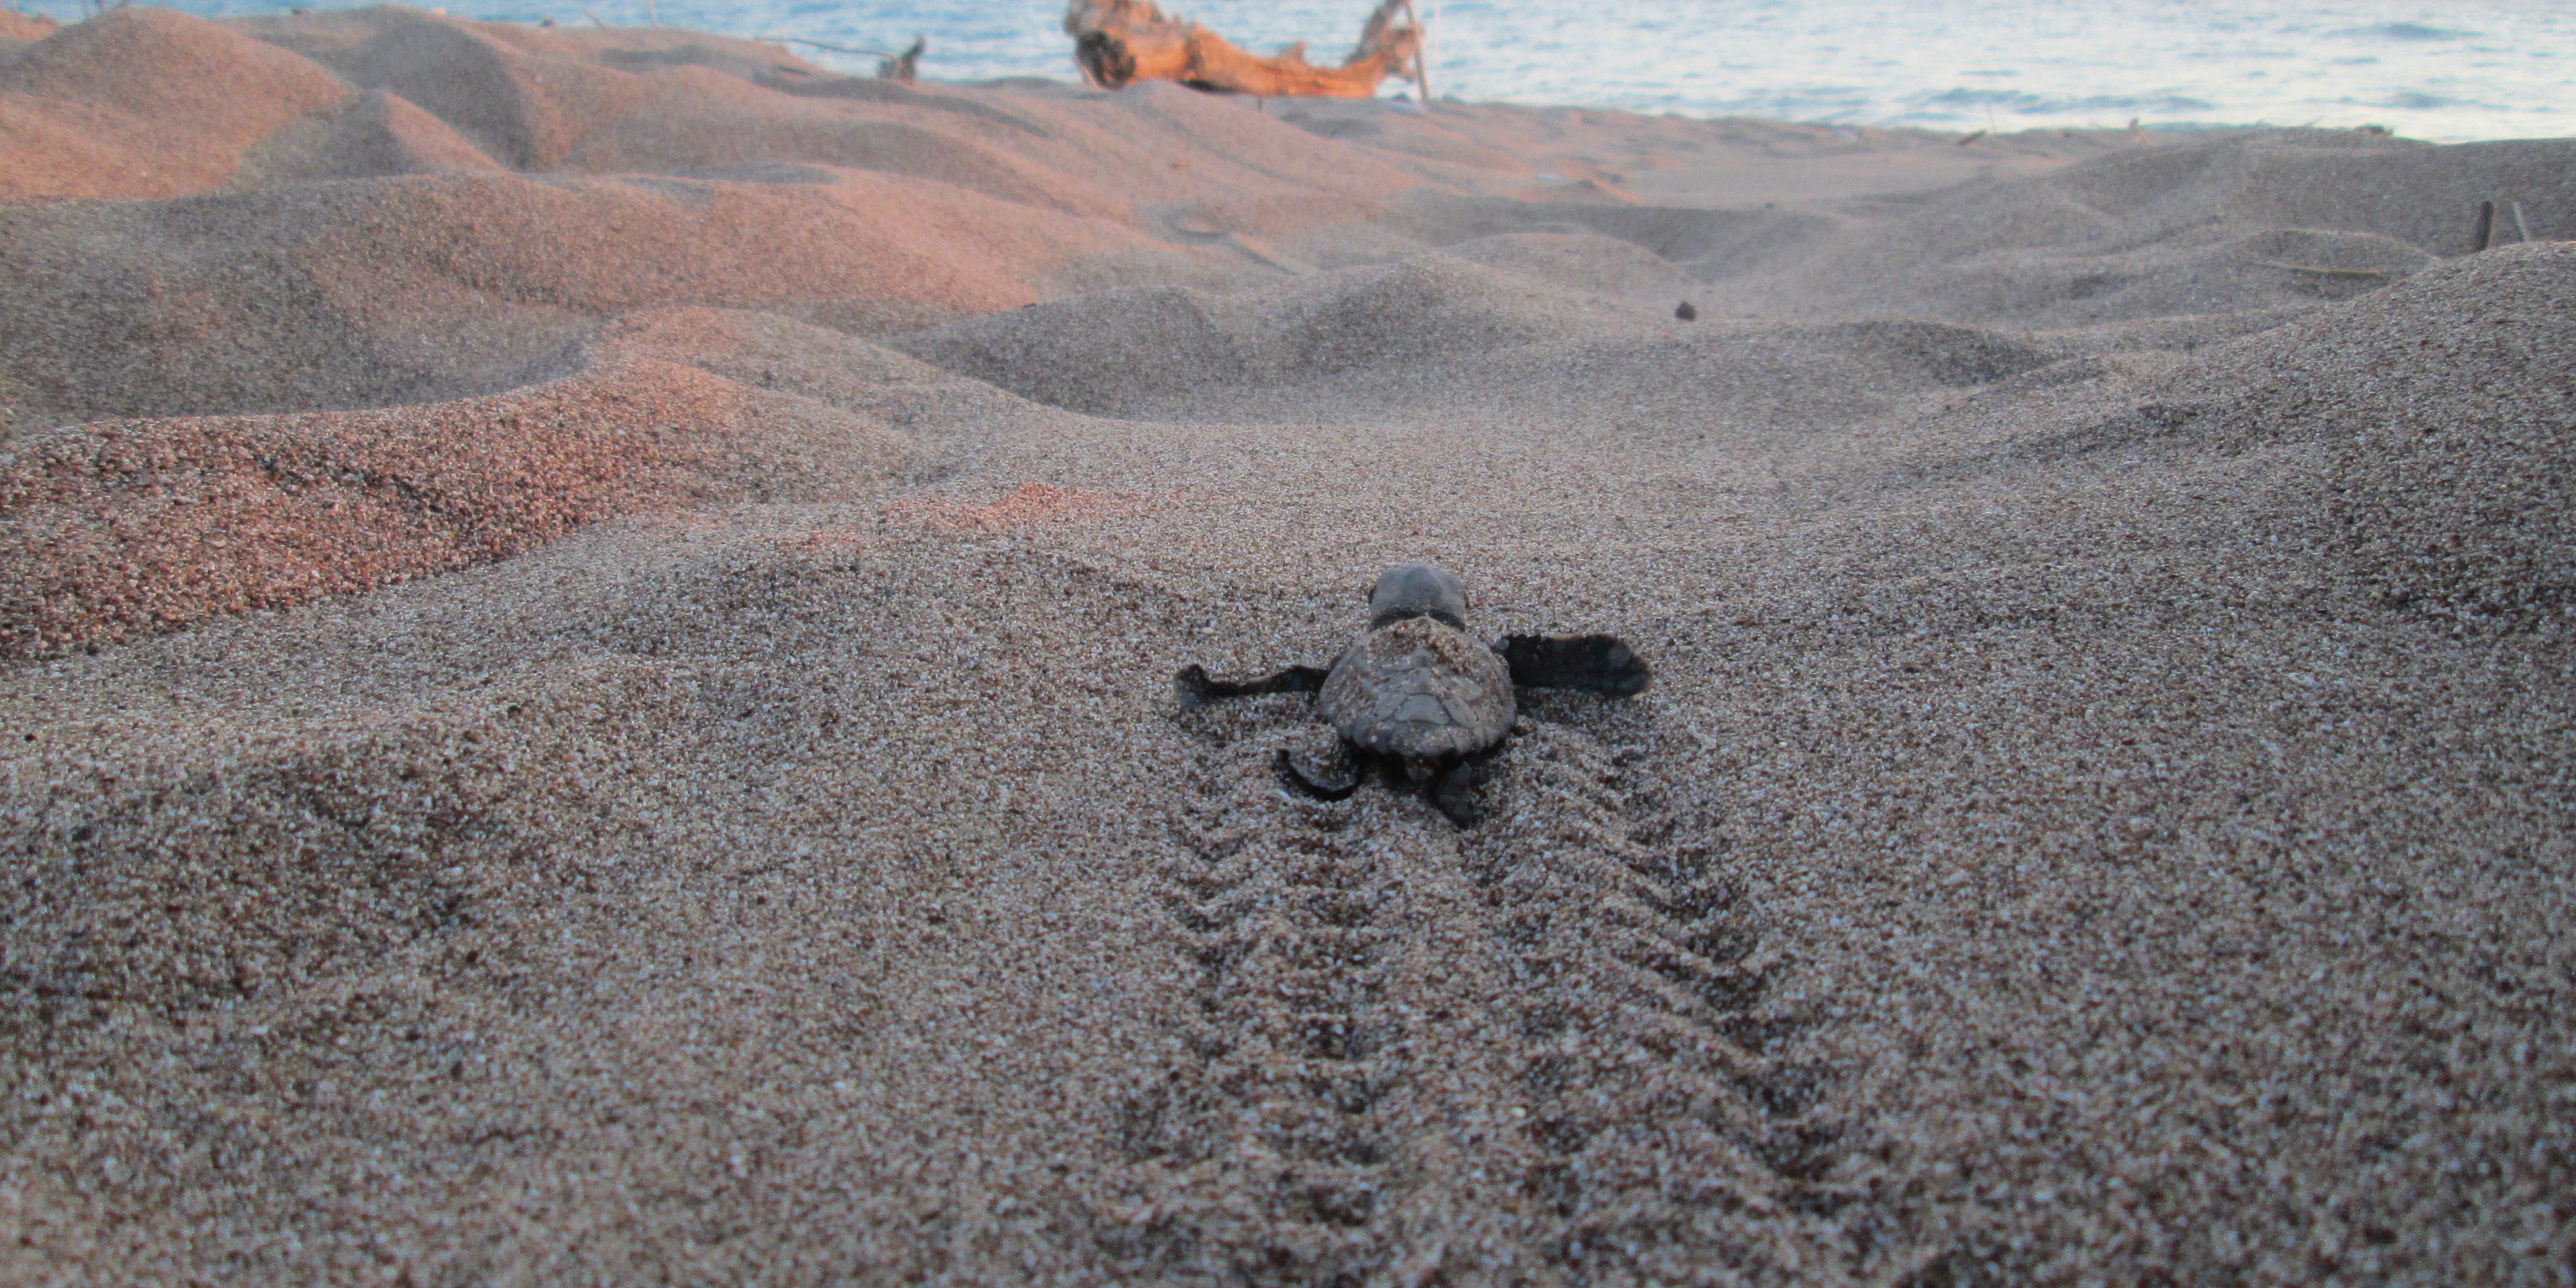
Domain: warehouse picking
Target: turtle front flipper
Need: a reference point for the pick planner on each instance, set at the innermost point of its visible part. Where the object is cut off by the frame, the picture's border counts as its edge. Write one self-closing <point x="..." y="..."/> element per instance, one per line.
<point x="1594" y="663"/>
<point x="1197" y="690"/>
<point x="1331" y="777"/>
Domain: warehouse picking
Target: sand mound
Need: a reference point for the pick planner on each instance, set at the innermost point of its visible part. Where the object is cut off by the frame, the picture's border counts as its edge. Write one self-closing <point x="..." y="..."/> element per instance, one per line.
<point x="373" y="133"/>
<point x="357" y="294"/>
<point x="1606" y="267"/>
<point x="664" y="101"/>
<point x="1119" y="351"/>
<point x="609" y="102"/>
<point x="765" y="351"/>
<point x="1099" y="352"/>
<point x="2426" y="196"/>
<point x="142" y="103"/>
<point x="2450" y="428"/>
<point x="2235" y="224"/>
<point x="126" y="527"/>
<point x="26" y="26"/>
<point x="692" y="118"/>
<point x="1707" y="245"/>
<point x="524" y="109"/>
<point x="2278" y="269"/>
<point x="1425" y="306"/>
<point x="542" y="101"/>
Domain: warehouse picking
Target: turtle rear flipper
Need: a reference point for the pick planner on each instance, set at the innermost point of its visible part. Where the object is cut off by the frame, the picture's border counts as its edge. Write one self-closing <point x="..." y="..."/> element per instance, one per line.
<point x="1454" y="793"/>
<point x="1330" y="779"/>
<point x="1600" y="664"/>
<point x="1196" y="689"/>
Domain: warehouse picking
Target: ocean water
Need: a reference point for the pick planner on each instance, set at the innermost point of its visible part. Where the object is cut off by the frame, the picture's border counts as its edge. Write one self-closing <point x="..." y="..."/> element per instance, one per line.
<point x="2447" y="70"/>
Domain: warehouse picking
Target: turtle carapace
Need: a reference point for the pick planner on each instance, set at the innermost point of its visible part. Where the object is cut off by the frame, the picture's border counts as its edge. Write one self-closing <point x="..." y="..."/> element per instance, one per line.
<point x="1420" y="699"/>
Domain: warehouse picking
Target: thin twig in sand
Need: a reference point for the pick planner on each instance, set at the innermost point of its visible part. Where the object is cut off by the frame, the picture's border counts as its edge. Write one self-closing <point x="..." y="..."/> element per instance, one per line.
<point x="1421" y="55"/>
<point x="2518" y="225"/>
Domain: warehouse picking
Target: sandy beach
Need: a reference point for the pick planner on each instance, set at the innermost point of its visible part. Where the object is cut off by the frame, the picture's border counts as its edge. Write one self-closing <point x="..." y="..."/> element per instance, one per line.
<point x="590" y="616"/>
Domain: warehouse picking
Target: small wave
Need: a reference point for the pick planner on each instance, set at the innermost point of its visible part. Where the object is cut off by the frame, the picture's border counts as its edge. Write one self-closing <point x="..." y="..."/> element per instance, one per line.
<point x="2405" y="31"/>
<point x="2028" y="103"/>
<point x="1823" y="103"/>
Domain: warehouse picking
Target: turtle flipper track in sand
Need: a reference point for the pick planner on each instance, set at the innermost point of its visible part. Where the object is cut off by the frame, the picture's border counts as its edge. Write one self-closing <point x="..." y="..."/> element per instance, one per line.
<point x="1676" y="1124"/>
<point x="1537" y="1053"/>
<point x="1261" y="1157"/>
<point x="1196" y="688"/>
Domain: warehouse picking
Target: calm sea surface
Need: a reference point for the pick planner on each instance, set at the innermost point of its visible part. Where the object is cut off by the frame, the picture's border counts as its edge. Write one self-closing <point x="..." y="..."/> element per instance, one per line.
<point x="2434" y="70"/>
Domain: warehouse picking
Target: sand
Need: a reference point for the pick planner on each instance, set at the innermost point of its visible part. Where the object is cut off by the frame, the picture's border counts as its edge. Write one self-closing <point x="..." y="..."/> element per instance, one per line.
<point x="591" y="618"/>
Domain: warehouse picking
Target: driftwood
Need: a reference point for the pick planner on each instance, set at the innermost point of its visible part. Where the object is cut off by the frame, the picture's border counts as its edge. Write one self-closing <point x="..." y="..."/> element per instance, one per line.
<point x="904" y="66"/>
<point x="1120" y="42"/>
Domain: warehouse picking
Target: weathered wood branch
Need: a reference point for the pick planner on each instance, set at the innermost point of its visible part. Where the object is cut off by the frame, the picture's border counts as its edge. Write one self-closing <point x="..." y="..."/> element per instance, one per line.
<point x="1120" y="42"/>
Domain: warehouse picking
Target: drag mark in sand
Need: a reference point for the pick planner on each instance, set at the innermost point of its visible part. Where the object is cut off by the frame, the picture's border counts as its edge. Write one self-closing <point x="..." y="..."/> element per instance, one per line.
<point x="1537" y="1051"/>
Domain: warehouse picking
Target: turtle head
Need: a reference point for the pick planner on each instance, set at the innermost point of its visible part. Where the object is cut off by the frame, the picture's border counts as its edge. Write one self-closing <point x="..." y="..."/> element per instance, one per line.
<point x="1418" y="590"/>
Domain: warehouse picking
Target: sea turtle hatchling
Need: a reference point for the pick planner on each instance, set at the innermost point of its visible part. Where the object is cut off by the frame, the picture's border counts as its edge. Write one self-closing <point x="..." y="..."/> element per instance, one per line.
<point x="1420" y="698"/>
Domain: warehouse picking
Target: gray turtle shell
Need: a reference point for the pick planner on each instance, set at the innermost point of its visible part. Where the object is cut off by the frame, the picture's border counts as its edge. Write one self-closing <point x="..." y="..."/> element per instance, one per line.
<point x="1419" y="689"/>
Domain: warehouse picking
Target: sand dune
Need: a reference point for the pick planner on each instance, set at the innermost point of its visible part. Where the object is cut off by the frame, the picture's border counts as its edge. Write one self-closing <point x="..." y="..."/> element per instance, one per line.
<point x="433" y="284"/>
<point x="144" y="103"/>
<point x="2447" y="427"/>
<point x="2231" y="225"/>
<point x="592" y="617"/>
<point x="1118" y="350"/>
<point x="16" y="26"/>
<point x="126" y="527"/>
